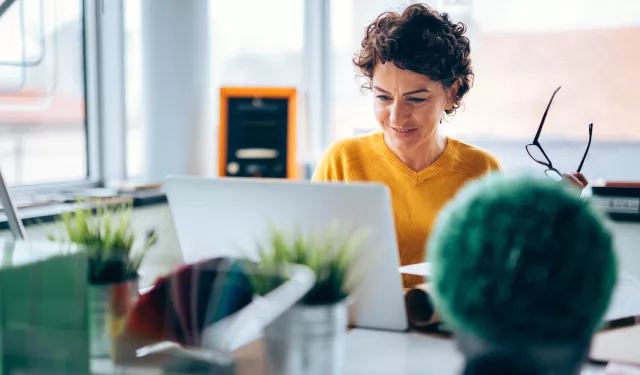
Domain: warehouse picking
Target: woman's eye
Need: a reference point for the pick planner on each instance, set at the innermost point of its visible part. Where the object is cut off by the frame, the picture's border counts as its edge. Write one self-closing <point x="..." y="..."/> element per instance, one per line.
<point x="417" y="100"/>
<point x="383" y="97"/>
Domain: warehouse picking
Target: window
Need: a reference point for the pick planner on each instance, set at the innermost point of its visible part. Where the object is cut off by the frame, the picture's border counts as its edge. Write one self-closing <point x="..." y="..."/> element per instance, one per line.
<point x="522" y="51"/>
<point x="133" y="88"/>
<point x="352" y="110"/>
<point x="42" y="92"/>
<point x="250" y="48"/>
<point x="247" y="49"/>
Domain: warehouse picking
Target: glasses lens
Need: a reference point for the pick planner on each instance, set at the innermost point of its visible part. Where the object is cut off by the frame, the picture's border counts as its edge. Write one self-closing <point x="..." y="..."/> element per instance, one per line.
<point x="553" y="174"/>
<point x="537" y="155"/>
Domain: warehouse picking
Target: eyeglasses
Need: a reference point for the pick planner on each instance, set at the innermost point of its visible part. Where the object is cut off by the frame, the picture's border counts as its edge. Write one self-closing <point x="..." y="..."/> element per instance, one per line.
<point x="534" y="149"/>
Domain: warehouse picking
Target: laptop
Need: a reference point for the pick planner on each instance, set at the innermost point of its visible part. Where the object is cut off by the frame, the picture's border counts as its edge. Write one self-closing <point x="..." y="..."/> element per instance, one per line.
<point x="216" y="217"/>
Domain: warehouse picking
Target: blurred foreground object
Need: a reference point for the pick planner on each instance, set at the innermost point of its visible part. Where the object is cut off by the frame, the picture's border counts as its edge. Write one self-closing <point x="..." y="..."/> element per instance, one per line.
<point x="310" y="338"/>
<point x="114" y="253"/>
<point x="202" y="334"/>
<point x="43" y="310"/>
<point x="523" y="263"/>
<point x="114" y="249"/>
<point x="183" y="303"/>
<point x="505" y="362"/>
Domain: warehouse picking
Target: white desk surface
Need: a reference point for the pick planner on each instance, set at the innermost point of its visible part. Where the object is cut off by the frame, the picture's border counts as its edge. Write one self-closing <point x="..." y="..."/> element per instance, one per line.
<point x="377" y="352"/>
<point x="368" y="352"/>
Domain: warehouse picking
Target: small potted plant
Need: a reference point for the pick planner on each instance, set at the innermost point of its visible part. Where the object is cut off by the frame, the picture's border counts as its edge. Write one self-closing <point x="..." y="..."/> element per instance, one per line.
<point x="309" y="337"/>
<point x="109" y="241"/>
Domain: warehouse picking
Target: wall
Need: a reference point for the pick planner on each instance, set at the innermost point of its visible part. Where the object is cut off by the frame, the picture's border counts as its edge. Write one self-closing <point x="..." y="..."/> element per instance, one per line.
<point x="163" y="258"/>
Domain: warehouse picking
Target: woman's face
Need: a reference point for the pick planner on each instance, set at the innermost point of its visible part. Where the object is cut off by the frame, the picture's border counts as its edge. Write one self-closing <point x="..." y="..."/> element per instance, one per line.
<point x="408" y="106"/>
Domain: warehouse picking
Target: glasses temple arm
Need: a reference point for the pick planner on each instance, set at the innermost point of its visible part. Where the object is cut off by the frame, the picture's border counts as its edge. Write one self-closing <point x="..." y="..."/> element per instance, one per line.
<point x="544" y="116"/>
<point x="587" y="150"/>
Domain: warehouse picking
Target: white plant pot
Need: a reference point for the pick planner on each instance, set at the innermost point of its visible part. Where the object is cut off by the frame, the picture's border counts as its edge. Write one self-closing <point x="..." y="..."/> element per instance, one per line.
<point x="308" y="340"/>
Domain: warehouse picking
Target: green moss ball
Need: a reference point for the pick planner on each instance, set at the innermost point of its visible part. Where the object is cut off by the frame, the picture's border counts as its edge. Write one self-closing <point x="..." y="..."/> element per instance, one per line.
<point x="522" y="258"/>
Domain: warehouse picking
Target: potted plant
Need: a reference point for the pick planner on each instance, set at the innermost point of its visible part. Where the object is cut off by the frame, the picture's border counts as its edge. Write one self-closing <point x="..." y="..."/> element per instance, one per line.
<point x="114" y="260"/>
<point x="309" y="338"/>
<point x="522" y="267"/>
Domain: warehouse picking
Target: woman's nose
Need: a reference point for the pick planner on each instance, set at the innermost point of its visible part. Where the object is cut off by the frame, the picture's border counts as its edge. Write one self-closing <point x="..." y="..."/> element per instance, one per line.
<point x="398" y="113"/>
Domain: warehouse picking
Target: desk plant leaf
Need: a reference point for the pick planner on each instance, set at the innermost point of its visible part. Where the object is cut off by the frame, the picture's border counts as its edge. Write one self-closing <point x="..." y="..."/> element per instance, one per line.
<point x="108" y="239"/>
<point x="330" y="255"/>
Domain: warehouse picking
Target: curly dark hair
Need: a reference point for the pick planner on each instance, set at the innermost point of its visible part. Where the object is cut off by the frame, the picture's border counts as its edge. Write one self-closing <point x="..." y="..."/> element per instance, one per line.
<point x="421" y="40"/>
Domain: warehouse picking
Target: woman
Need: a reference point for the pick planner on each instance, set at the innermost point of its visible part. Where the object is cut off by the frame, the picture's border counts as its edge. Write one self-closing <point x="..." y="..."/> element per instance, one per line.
<point x="418" y="66"/>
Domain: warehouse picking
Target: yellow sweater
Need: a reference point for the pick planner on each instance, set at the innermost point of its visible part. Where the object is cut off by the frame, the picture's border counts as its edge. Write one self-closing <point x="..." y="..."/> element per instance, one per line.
<point x="417" y="197"/>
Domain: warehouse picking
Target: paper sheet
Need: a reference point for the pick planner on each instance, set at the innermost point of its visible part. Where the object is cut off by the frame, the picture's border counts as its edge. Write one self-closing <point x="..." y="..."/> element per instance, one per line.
<point x="626" y="298"/>
<point x="419" y="269"/>
<point x="617" y="345"/>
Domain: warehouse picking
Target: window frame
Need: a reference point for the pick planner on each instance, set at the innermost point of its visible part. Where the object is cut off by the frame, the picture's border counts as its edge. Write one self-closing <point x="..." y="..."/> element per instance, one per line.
<point x="104" y="76"/>
<point x="105" y="130"/>
<point x="318" y="75"/>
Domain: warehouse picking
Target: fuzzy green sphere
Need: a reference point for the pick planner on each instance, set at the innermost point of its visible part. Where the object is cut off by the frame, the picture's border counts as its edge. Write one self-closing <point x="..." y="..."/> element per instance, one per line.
<point x="519" y="258"/>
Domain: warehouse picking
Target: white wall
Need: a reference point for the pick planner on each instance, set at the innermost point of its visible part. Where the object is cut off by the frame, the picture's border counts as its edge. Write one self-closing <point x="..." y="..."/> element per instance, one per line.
<point x="176" y="91"/>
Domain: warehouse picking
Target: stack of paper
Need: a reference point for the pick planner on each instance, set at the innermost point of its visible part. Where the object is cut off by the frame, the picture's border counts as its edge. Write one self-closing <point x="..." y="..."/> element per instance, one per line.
<point x="626" y="298"/>
<point x="419" y="269"/>
<point x="620" y="345"/>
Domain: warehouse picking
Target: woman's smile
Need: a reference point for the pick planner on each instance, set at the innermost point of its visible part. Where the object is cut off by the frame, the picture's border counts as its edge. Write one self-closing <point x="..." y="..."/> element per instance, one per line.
<point x="404" y="131"/>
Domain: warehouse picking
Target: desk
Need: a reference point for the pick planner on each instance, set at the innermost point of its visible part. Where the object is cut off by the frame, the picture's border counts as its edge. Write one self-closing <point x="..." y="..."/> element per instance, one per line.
<point x="378" y="352"/>
<point x="368" y="352"/>
<point x="375" y="352"/>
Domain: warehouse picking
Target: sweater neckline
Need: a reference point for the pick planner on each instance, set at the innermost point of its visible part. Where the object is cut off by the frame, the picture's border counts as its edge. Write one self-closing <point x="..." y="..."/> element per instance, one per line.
<point x="446" y="159"/>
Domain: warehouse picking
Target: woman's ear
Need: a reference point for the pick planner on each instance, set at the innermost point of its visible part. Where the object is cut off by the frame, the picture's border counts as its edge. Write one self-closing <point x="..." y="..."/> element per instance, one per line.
<point x="452" y="93"/>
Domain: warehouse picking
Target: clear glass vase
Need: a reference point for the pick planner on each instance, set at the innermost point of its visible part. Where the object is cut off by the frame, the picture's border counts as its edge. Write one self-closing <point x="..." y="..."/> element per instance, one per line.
<point x="109" y="306"/>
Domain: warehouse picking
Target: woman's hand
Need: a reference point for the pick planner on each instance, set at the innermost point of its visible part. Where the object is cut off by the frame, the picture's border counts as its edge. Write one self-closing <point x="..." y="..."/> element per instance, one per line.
<point x="577" y="179"/>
